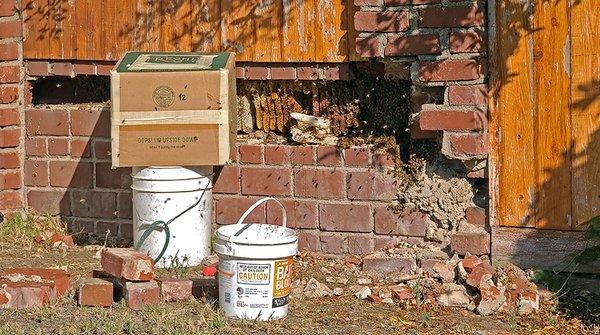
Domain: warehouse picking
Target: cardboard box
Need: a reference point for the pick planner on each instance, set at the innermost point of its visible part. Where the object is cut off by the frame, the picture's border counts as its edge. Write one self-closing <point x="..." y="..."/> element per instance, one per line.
<point x="173" y="109"/>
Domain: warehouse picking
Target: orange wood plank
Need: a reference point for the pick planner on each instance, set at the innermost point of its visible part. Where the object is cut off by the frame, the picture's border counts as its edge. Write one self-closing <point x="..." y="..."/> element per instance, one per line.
<point x="298" y="30"/>
<point x="553" y="121"/>
<point x="331" y="35"/>
<point x="237" y="28"/>
<point x="37" y="32"/>
<point x="176" y="27"/>
<point x="206" y="25"/>
<point x="109" y="29"/>
<point x="146" y="26"/>
<point x="88" y="19"/>
<point x="267" y="18"/>
<point x="516" y="171"/>
<point x="61" y="36"/>
<point x="585" y="92"/>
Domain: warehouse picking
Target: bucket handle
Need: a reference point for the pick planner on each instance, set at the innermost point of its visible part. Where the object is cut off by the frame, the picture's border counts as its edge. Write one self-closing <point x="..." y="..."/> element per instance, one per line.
<point x="256" y="204"/>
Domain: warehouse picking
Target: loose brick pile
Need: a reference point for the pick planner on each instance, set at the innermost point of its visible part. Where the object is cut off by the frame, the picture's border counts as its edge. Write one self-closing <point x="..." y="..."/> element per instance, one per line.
<point x="31" y="287"/>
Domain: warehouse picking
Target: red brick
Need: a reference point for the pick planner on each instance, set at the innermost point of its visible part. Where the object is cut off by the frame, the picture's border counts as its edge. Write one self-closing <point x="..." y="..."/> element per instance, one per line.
<point x="307" y="72"/>
<point x="467" y="95"/>
<point x="384" y="242"/>
<point x="369" y="47"/>
<point x="106" y="177"/>
<point x="227" y="179"/>
<point x="333" y="244"/>
<point x="10" y="180"/>
<point x="367" y="2"/>
<point x="388" y="222"/>
<point x="124" y="202"/>
<point x="10" y="138"/>
<point x="62" y="69"/>
<point x="127" y="264"/>
<point x="337" y="72"/>
<point x="345" y="217"/>
<point x="300" y="214"/>
<point x="328" y="155"/>
<point x="466" y="144"/>
<point x="481" y="173"/>
<point x="240" y="72"/>
<point x="277" y="154"/>
<point x="22" y="294"/>
<point x="58" y="146"/>
<point x="85" y="122"/>
<point x="8" y="94"/>
<point x="35" y="146"/>
<point x="47" y="121"/>
<point x="308" y="241"/>
<point x="445" y="17"/>
<point x="359" y="244"/>
<point x="9" y="117"/>
<point x="10" y="29"/>
<point x="480" y="275"/>
<point x="49" y="202"/>
<point x="126" y="231"/>
<point x="266" y="181"/>
<point x="450" y="70"/>
<point x="452" y="119"/>
<point x="9" y="160"/>
<point x="71" y="174"/>
<point x="303" y="155"/>
<point x="103" y="68"/>
<point x="229" y="210"/>
<point x="37" y="68"/>
<point x="8" y="8"/>
<point x="94" y="204"/>
<point x="80" y="148"/>
<point x="59" y="279"/>
<point x="175" y="289"/>
<point x="36" y="173"/>
<point x="388" y="21"/>
<point x="141" y="295"/>
<point x="283" y="73"/>
<point x="11" y="200"/>
<point x="9" y="74"/>
<point x="357" y="156"/>
<point x="107" y="228"/>
<point x="96" y="292"/>
<point x="251" y="154"/>
<point x="102" y="150"/>
<point x="385" y="264"/>
<point x="322" y="184"/>
<point x="473" y="243"/>
<point x="85" y="68"/>
<point x="425" y="2"/>
<point x="476" y="216"/>
<point x="9" y="51"/>
<point x="370" y="185"/>
<point x="384" y="158"/>
<point x="257" y="72"/>
<point x="419" y="134"/>
<point x="467" y="41"/>
<point x="412" y="45"/>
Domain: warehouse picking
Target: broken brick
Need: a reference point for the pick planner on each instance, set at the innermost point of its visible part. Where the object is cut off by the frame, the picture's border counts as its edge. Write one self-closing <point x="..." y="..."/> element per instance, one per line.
<point x="209" y="271"/>
<point x="174" y="289"/>
<point x="402" y="292"/>
<point x="23" y="294"/>
<point x="96" y="292"/>
<point x="492" y="298"/>
<point x="374" y="298"/>
<point x="480" y="275"/>
<point x="58" y="279"/>
<point x="141" y="294"/>
<point x="205" y="288"/>
<point x="470" y="262"/>
<point x="386" y="264"/>
<point x="128" y="264"/>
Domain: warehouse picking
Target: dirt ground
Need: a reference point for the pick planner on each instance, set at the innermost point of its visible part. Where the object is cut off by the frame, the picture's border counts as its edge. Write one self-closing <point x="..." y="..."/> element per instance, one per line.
<point x="331" y="315"/>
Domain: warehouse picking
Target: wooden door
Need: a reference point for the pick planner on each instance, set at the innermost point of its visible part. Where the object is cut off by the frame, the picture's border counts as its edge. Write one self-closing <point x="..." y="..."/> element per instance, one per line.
<point x="547" y="107"/>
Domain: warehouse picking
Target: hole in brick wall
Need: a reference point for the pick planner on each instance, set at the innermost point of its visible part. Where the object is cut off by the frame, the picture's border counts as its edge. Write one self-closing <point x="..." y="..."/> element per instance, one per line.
<point x="66" y="90"/>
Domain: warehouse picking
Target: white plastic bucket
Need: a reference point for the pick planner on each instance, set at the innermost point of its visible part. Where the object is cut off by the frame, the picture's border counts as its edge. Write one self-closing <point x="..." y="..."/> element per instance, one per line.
<point x="255" y="267"/>
<point x="181" y="198"/>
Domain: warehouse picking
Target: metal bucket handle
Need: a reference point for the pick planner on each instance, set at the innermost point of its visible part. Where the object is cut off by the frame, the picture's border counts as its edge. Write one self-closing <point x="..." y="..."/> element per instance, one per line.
<point x="250" y="209"/>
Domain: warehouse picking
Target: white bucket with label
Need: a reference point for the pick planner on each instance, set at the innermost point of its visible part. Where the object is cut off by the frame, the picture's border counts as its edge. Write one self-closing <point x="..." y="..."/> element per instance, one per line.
<point x="172" y="214"/>
<point x="255" y="267"/>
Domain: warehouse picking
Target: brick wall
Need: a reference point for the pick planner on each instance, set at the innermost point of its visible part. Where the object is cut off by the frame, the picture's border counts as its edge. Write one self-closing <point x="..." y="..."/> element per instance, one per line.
<point x="11" y="133"/>
<point x="435" y="43"/>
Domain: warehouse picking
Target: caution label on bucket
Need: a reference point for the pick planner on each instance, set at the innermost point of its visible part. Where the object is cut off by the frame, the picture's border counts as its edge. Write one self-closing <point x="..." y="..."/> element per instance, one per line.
<point x="253" y="274"/>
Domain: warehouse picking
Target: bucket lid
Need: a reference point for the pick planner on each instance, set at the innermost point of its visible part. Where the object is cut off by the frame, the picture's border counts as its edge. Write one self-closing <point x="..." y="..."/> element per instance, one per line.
<point x="257" y="234"/>
<point x="171" y="173"/>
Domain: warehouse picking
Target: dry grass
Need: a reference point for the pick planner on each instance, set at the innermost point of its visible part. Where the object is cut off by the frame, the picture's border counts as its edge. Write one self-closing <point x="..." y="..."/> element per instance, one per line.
<point x="21" y="230"/>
